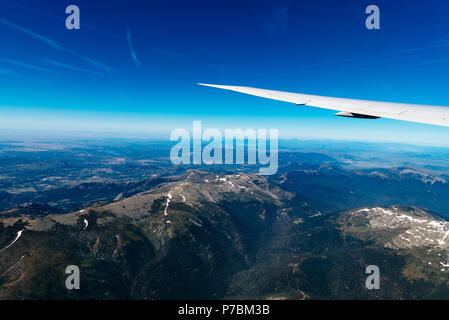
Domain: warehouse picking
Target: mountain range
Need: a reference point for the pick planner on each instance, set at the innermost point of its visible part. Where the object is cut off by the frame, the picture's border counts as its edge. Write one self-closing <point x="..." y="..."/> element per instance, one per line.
<point x="203" y="235"/>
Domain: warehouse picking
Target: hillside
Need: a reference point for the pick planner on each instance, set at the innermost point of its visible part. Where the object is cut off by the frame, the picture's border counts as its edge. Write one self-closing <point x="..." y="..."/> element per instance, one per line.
<point x="203" y="235"/>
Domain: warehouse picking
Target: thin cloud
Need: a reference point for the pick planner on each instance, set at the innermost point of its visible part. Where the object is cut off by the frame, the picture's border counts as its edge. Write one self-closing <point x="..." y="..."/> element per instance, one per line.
<point x="37" y="36"/>
<point x="54" y="44"/>
<point x="11" y="73"/>
<point x="370" y="60"/>
<point x="25" y="65"/>
<point x="132" y="52"/>
<point x="123" y="95"/>
<point x="70" y="67"/>
<point x="167" y="53"/>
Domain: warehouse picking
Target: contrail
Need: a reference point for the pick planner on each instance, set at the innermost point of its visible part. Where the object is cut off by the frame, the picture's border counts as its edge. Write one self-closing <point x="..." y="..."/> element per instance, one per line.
<point x="54" y="44"/>
<point x="132" y="52"/>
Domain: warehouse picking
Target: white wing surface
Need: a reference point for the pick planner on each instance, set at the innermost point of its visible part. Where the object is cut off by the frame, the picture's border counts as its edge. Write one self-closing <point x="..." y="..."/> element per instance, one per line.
<point x="436" y="115"/>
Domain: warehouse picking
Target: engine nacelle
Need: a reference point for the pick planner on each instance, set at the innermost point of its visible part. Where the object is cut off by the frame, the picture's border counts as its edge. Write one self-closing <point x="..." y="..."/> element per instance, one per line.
<point x="355" y="115"/>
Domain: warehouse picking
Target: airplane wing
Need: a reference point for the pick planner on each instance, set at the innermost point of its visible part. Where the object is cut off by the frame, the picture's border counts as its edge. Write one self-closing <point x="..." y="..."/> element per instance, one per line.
<point x="436" y="115"/>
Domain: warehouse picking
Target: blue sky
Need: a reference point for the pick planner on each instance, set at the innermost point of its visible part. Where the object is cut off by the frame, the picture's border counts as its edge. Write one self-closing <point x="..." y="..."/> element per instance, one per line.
<point x="133" y="66"/>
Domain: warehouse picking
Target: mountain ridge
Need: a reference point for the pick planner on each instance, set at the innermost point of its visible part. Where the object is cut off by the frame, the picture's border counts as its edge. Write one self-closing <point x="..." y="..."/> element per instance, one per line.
<point x="203" y="235"/>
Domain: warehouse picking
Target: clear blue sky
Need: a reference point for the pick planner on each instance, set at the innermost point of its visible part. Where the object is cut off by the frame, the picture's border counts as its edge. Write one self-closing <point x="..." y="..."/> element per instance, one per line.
<point x="133" y="66"/>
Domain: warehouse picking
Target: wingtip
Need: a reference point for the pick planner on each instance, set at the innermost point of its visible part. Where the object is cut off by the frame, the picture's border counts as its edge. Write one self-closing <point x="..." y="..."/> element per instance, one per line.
<point x="214" y="85"/>
<point x="206" y="84"/>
